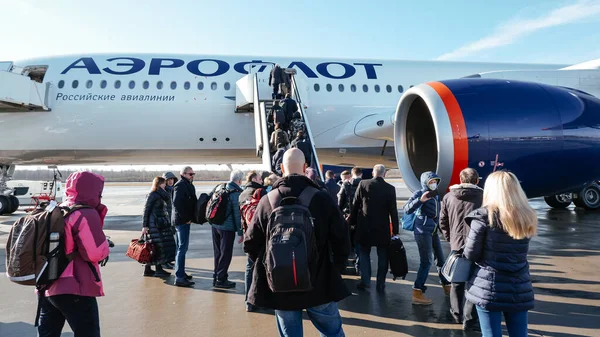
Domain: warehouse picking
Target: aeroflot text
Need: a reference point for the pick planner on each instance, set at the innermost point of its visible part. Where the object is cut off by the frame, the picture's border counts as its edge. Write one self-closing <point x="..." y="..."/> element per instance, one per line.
<point x="213" y="67"/>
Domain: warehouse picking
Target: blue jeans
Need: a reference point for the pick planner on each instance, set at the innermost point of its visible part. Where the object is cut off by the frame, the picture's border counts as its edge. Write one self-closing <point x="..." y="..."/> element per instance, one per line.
<point x="249" y="272"/>
<point x="80" y="311"/>
<point x="491" y="323"/>
<point x="365" y="265"/>
<point x="429" y="245"/>
<point x="326" y="318"/>
<point x="183" y="237"/>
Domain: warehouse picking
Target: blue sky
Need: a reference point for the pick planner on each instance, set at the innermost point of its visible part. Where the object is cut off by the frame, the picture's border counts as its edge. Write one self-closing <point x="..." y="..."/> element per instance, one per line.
<point x="549" y="31"/>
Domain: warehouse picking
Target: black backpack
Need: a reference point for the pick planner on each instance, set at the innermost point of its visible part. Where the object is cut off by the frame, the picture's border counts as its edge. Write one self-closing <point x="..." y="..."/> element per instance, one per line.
<point x="200" y="212"/>
<point x="291" y="254"/>
<point x="216" y="208"/>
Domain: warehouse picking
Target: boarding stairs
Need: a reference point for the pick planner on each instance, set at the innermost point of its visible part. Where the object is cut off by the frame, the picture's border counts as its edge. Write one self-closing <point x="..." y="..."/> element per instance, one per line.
<point x="253" y="94"/>
<point x="21" y="89"/>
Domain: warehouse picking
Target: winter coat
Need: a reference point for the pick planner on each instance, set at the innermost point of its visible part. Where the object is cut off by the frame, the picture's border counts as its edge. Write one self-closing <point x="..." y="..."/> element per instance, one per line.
<point x="303" y="144"/>
<point x="460" y="201"/>
<point x="333" y="188"/>
<point x="233" y="217"/>
<point x="160" y="232"/>
<point x="426" y="223"/>
<point x="83" y="235"/>
<point x="333" y="246"/>
<point x="500" y="279"/>
<point x="276" y="76"/>
<point x="289" y="107"/>
<point x="249" y="189"/>
<point x="171" y="191"/>
<point x="184" y="202"/>
<point x="346" y="195"/>
<point x="374" y="207"/>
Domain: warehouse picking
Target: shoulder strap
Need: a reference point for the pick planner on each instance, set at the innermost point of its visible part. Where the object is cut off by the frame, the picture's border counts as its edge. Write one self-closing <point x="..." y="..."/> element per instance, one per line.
<point x="306" y="196"/>
<point x="274" y="198"/>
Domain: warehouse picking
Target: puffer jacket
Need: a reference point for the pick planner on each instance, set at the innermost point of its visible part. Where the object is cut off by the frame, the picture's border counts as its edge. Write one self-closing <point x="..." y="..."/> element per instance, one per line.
<point x="83" y="235"/>
<point x="460" y="201"/>
<point x="171" y="191"/>
<point x="500" y="279"/>
<point x="427" y="221"/>
<point x="233" y="217"/>
<point x="160" y="232"/>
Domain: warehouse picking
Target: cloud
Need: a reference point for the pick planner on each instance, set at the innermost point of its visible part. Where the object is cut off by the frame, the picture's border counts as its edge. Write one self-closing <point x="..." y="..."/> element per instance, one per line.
<point x="509" y="32"/>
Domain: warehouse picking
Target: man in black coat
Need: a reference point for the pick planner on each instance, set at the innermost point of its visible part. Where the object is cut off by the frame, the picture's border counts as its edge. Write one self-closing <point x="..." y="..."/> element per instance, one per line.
<point x="333" y="246"/>
<point x="184" y="206"/>
<point x="456" y="205"/>
<point x="373" y="209"/>
<point x="253" y="182"/>
<point x="332" y="187"/>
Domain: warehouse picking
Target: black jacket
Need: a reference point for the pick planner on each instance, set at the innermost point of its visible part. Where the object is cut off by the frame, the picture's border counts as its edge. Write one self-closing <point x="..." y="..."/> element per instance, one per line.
<point x="373" y="209"/>
<point x="248" y="191"/>
<point x="460" y="201"/>
<point x="289" y="107"/>
<point x="346" y="195"/>
<point x="156" y="218"/>
<point x="500" y="279"/>
<point x="333" y="188"/>
<point x="333" y="244"/>
<point x="276" y="76"/>
<point x="184" y="202"/>
<point x="277" y="160"/>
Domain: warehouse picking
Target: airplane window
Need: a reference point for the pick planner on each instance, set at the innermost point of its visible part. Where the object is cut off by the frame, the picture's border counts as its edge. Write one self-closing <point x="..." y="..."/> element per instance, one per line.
<point x="131" y="84"/>
<point x="103" y="84"/>
<point x="365" y="88"/>
<point x="213" y="85"/>
<point x="317" y="87"/>
<point x="146" y="84"/>
<point x="89" y="84"/>
<point x="353" y="88"/>
<point x="61" y="84"/>
<point x="75" y="84"/>
<point x="117" y="84"/>
<point x="227" y="86"/>
<point x="328" y="87"/>
<point x="341" y="87"/>
<point x="173" y="85"/>
<point x="388" y="88"/>
<point x="200" y="85"/>
<point x="377" y="88"/>
<point x="400" y="89"/>
<point x="159" y="85"/>
<point x="186" y="85"/>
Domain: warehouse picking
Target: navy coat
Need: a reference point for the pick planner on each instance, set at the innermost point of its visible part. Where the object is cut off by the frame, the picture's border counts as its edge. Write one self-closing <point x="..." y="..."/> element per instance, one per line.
<point x="427" y="221"/>
<point x="500" y="279"/>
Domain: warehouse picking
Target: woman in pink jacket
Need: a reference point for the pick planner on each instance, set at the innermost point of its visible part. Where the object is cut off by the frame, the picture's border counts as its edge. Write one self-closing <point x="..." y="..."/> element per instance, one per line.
<point x="73" y="296"/>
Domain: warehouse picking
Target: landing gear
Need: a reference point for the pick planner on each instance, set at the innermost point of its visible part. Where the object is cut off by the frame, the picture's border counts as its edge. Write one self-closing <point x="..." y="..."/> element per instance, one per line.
<point x="8" y="203"/>
<point x="559" y="200"/>
<point x="588" y="197"/>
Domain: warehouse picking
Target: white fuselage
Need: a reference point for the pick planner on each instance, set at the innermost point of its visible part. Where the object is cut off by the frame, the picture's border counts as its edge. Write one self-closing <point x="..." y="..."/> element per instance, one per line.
<point x="91" y="124"/>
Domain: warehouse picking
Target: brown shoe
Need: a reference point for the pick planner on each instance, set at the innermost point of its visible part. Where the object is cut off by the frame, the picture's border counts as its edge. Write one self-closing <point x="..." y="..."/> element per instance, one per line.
<point x="419" y="299"/>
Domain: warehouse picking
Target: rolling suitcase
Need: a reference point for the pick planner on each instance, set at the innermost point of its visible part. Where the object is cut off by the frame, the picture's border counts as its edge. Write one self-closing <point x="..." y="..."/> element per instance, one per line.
<point x="397" y="258"/>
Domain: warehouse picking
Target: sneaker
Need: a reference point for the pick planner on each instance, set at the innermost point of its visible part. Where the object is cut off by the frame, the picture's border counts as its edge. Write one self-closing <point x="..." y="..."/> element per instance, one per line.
<point x="224" y="284"/>
<point x="184" y="283"/>
<point x="188" y="276"/>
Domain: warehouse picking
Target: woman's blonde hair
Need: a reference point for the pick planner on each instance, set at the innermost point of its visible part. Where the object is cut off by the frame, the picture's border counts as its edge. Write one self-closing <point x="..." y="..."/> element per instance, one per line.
<point x="157" y="182"/>
<point x="504" y="198"/>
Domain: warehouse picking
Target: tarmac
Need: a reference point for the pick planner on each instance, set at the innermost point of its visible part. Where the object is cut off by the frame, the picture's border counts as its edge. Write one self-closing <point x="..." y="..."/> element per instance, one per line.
<point x="564" y="262"/>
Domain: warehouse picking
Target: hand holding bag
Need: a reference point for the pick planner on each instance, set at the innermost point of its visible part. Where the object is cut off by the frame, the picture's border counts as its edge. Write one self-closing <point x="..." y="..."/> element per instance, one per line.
<point x="457" y="268"/>
<point x="140" y="250"/>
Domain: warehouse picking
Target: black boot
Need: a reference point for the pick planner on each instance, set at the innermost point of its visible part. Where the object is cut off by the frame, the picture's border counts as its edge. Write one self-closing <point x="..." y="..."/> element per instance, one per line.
<point x="160" y="272"/>
<point x="148" y="270"/>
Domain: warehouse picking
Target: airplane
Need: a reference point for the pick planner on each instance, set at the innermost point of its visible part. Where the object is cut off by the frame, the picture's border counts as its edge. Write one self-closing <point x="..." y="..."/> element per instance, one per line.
<point x="160" y="108"/>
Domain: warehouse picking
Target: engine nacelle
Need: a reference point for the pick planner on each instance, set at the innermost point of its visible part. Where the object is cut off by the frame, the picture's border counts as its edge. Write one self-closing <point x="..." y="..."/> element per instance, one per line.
<point x="548" y="136"/>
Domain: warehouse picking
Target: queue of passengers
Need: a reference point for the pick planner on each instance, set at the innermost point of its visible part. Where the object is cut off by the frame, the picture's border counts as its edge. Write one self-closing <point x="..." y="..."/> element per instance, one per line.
<point x="494" y="224"/>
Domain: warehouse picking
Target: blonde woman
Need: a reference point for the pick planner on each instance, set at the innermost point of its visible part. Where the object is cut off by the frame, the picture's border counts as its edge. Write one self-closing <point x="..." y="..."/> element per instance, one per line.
<point x="498" y="243"/>
<point x="157" y="227"/>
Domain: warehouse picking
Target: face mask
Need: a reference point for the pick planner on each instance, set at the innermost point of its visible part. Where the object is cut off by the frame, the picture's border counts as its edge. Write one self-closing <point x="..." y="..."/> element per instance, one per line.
<point x="432" y="186"/>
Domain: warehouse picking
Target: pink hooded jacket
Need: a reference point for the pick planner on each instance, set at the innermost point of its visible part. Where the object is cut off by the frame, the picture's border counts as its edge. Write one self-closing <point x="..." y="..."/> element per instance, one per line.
<point x="83" y="234"/>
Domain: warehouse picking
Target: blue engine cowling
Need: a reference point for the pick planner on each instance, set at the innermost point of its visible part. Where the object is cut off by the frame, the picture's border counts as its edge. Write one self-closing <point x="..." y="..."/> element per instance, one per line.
<point x="548" y="136"/>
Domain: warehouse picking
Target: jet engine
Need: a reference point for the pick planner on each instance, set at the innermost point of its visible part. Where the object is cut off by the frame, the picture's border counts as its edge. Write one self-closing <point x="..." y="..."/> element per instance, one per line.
<point x="547" y="135"/>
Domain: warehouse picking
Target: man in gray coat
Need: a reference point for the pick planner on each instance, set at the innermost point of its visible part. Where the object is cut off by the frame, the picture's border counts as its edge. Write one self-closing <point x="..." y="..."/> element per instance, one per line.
<point x="460" y="201"/>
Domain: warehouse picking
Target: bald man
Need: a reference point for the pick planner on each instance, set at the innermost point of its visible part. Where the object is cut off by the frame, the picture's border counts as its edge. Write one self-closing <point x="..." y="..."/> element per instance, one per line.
<point x="330" y="231"/>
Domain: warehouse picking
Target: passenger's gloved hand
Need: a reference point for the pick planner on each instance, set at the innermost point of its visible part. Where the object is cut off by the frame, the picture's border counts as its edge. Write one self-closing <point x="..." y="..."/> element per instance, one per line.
<point x="103" y="262"/>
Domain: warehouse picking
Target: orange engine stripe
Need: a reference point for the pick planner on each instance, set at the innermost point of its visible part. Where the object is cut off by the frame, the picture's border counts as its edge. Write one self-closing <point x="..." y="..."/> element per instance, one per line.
<point x="459" y="130"/>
